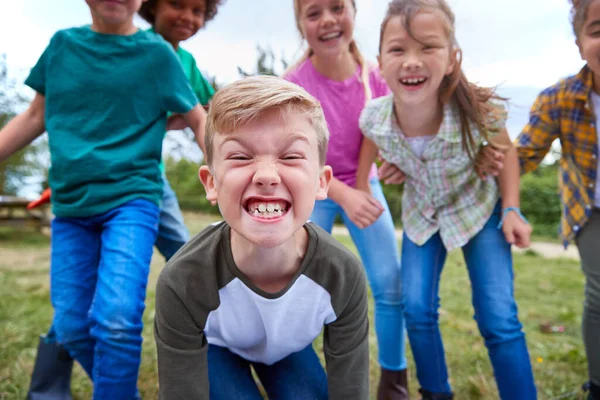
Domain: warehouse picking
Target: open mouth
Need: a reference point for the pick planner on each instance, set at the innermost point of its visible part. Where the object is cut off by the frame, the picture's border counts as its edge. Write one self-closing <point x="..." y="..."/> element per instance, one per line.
<point x="330" y="36"/>
<point x="413" y="82"/>
<point x="267" y="209"/>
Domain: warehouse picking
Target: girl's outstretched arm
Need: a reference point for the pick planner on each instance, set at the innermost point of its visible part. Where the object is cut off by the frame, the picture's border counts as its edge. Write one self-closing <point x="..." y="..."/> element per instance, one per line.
<point x="24" y="128"/>
<point x="516" y="230"/>
<point x="196" y="120"/>
<point x="366" y="158"/>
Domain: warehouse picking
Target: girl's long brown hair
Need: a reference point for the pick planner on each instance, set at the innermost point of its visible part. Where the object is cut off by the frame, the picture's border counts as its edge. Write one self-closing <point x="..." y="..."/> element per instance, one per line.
<point x="472" y="101"/>
<point x="358" y="57"/>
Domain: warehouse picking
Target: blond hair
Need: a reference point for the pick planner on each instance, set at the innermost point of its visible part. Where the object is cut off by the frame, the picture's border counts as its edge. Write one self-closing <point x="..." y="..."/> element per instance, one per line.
<point x="246" y="100"/>
<point x="358" y="57"/>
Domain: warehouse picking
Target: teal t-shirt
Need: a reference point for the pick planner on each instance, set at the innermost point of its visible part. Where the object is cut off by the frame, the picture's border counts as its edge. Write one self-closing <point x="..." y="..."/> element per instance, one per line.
<point x="203" y="90"/>
<point x="107" y="98"/>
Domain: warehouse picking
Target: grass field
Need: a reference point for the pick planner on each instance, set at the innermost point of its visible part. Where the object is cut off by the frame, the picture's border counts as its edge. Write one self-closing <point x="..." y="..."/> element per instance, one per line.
<point x="547" y="290"/>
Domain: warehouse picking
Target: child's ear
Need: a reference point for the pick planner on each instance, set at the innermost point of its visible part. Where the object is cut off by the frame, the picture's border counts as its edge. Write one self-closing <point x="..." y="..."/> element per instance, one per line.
<point x="324" y="181"/>
<point x="453" y="60"/>
<point x="208" y="180"/>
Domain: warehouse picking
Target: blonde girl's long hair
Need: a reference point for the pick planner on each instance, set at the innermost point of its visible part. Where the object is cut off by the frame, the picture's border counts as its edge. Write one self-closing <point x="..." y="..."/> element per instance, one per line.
<point x="472" y="101"/>
<point x="358" y="57"/>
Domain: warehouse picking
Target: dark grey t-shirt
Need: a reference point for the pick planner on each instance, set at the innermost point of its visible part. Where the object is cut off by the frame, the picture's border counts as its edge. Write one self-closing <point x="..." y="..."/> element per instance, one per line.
<point x="202" y="297"/>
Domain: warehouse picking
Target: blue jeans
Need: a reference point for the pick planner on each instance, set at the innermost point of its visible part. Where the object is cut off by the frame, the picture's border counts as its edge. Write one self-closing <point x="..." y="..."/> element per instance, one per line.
<point x="98" y="276"/>
<point x="378" y="249"/>
<point x="172" y="232"/>
<point x="489" y="263"/>
<point x="299" y="376"/>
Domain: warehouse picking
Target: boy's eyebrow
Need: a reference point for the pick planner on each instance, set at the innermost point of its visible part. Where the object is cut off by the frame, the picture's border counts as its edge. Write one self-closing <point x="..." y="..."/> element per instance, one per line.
<point x="292" y="137"/>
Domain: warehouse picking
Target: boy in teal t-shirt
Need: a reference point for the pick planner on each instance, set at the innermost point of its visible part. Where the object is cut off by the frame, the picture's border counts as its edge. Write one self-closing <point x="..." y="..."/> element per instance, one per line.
<point x="53" y="367"/>
<point x="103" y="94"/>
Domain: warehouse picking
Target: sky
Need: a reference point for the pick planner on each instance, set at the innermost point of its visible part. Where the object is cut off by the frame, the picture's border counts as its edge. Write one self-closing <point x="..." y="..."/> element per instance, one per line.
<point x="521" y="46"/>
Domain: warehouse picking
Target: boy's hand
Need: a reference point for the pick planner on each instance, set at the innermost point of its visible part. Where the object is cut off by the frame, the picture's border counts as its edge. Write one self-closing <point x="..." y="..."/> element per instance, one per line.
<point x="489" y="161"/>
<point x="362" y="208"/>
<point x="516" y="231"/>
<point x="390" y="174"/>
<point x="176" y="123"/>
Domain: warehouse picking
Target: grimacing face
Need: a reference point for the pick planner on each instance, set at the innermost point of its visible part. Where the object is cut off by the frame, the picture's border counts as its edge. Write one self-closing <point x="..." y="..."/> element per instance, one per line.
<point x="266" y="176"/>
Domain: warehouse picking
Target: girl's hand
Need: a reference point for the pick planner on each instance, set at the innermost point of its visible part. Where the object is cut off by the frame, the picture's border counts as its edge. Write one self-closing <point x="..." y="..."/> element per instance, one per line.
<point x="362" y="208"/>
<point x="516" y="231"/>
<point x="363" y="187"/>
<point x="390" y="174"/>
<point x="489" y="161"/>
<point x="176" y="123"/>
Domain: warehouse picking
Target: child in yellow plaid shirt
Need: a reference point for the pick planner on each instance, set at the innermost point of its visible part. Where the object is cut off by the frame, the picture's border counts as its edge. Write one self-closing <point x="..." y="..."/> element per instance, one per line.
<point x="430" y="127"/>
<point x="569" y="111"/>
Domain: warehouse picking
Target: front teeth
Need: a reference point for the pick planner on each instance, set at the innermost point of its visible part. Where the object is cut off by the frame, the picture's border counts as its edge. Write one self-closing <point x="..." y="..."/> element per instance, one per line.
<point x="270" y="210"/>
<point x="330" y="36"/>
<point x="413" y="80"/>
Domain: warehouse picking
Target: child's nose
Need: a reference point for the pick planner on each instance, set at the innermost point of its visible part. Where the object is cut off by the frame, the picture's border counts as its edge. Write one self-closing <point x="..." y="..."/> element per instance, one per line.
<point x="412" y="62"/>
<point x="266" y="175"/>
<point x="328" y="18"/>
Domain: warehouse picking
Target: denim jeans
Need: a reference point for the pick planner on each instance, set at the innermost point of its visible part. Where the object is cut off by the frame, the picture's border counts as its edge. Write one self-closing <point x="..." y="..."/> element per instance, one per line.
<point x="299" y="376"/>
<point x="489" y="264"/>
<point x="378" y="249"/>
<point x="98" y="276"/>
<point x="172" y="232"/>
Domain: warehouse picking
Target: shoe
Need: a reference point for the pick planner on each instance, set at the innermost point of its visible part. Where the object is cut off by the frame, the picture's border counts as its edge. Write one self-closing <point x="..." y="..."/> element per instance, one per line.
<point x="425" y="395"/>
<point x="51" y="378"/>
<point x="393" y="385"/>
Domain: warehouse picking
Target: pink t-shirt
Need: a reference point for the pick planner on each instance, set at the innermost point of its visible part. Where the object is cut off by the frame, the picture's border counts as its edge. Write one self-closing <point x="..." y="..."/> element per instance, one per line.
<point x="342" y="103"/>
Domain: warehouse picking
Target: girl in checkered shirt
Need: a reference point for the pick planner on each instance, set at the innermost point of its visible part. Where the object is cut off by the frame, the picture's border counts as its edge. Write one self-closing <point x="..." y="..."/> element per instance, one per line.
<point x="430" y="126"/>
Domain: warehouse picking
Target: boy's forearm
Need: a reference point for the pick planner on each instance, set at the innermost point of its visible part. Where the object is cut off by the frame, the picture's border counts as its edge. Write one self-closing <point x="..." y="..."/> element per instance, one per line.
<point x="509" y="180"/>
<point x="22" y="129"/>
<point x="196" y="120"/>
<point x="368" y="153"/>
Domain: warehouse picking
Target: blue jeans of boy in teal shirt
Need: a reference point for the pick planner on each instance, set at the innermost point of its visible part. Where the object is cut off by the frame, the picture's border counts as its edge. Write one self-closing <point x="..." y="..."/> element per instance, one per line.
<point x="98" y="278"/>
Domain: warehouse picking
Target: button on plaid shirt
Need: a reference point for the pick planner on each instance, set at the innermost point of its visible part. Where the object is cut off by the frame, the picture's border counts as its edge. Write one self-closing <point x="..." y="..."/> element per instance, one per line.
<point x="564" y="111"/>
<point x="442" y="192"/>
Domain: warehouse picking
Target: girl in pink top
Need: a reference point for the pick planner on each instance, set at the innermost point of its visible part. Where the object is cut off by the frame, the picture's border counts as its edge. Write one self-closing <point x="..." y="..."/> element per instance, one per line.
<point x="334" y="71"/>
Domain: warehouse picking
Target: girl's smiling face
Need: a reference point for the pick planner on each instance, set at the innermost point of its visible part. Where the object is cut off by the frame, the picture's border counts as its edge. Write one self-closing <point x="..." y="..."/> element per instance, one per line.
<point x="414" y="65"/>
<point x="327" y="25"/>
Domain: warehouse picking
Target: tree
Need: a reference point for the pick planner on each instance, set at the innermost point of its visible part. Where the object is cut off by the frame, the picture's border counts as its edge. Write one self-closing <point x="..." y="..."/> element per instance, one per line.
<point x="266" y="64"/>
<point x="28" y="162"/>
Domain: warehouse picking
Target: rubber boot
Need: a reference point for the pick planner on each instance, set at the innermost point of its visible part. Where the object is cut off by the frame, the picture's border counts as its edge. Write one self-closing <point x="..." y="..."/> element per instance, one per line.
<point x="393" y="385"/>
<point x="51" y="378"/>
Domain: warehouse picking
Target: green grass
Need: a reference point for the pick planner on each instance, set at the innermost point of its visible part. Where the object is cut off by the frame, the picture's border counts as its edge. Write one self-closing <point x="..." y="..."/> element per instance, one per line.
<point x="546" y="290"/>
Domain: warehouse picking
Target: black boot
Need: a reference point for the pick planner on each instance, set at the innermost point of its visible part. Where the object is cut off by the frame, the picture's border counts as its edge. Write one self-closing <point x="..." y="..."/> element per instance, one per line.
<point x="393" y="385"/>
<point x="425" y="395"/>
<point x="51" y="378"/>
<point x="593" y="391"/>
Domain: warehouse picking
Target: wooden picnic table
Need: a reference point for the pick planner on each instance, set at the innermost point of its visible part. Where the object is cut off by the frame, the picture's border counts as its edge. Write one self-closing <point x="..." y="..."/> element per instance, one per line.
<point x="14" y="213"/>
